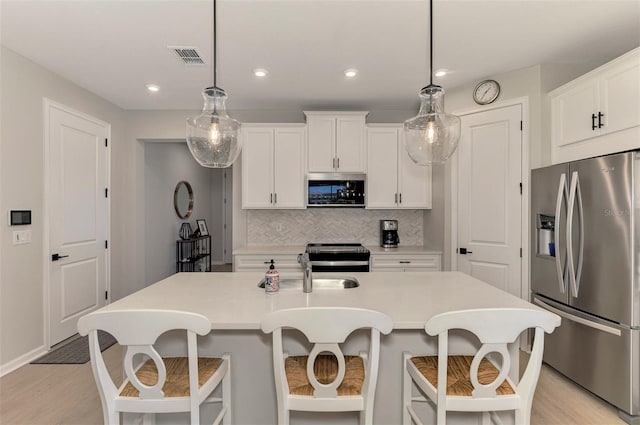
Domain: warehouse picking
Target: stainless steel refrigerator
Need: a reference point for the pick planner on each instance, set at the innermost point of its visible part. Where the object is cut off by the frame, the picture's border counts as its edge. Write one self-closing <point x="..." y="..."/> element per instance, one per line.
<point x="585" y="267"/>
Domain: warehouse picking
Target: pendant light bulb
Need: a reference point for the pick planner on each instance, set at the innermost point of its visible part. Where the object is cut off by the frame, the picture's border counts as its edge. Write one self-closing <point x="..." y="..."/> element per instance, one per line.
<point x="214" y="133"/>
<point x="213" y="136"/>
<point x="431" y="137"/>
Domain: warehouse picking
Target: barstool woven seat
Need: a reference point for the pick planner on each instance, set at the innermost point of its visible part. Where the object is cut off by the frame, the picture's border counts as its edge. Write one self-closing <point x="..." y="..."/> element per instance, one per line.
<point x="325" y="370"/>
<point x="458" y="377"/>
<point x="177" y="383"/>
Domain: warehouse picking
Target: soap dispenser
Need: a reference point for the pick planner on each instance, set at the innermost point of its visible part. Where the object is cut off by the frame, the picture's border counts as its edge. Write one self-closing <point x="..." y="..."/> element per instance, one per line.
<point x="272" y="280"/>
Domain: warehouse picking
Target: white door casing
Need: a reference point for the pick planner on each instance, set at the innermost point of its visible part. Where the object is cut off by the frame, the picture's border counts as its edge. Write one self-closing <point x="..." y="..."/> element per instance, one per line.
<point x="227" y="221"/>
<point x="489" y="201"/>
<point x="76" y="218"/>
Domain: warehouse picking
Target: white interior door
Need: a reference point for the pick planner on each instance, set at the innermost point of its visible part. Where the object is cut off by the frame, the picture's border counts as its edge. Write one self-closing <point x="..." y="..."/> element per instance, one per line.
<point x="78" y="213"/>
<point x="489" y="197"/>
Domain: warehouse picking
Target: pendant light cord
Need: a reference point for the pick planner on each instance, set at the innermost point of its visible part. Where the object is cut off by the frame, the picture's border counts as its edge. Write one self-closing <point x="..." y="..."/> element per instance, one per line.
<point x="215" y="38"/>
<point x="430" y="42"/>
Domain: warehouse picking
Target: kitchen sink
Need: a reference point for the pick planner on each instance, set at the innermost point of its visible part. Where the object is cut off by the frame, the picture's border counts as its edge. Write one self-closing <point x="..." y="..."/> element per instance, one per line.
<point x="319" y="283"/>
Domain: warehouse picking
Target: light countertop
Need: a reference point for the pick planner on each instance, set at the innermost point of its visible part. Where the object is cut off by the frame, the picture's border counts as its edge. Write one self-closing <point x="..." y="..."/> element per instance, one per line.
<point x="233" y="301"/>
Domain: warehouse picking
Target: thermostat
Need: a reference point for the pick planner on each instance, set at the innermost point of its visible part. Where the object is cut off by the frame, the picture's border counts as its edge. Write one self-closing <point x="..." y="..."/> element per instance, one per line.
<point x="19" y="217"/>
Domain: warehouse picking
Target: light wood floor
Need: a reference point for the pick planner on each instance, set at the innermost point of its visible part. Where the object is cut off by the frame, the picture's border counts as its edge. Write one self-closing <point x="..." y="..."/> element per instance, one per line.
<point x="67" y="394"/>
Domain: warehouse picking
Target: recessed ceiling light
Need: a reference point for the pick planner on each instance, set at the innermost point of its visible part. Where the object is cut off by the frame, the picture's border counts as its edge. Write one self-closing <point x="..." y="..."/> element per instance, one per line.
<point x="153" y="88"/>
<point x="441" y="73"/>
<point x="260" y="72"/>
<point x="350" y="73"/>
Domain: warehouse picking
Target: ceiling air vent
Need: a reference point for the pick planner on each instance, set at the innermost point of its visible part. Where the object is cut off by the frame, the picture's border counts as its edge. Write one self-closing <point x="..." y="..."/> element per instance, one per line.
<point x="187" y="55"/>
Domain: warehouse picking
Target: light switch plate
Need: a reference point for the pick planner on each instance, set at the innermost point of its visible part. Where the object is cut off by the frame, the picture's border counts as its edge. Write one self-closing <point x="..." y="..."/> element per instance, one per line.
<point x="21" y="237"/>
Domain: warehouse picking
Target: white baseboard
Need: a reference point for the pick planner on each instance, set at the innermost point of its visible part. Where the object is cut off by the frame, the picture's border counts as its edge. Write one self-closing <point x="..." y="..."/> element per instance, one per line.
<point x="22" y="360"/>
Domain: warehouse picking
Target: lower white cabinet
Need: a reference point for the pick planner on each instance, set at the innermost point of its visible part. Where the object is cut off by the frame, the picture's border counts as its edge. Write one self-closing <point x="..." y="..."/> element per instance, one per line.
<point x="273" y="167"/>
<point x="406" y="262"/>
<point x="260" y="262"/>
<point x="394" y="181"/>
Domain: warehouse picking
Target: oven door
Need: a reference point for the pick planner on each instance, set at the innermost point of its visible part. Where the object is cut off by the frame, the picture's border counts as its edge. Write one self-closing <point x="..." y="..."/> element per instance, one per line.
<point x="351" y="266"/>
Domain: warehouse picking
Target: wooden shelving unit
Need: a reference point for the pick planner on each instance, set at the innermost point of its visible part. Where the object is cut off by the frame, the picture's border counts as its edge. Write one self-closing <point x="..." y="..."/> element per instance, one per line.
<point x="193" y="255"/>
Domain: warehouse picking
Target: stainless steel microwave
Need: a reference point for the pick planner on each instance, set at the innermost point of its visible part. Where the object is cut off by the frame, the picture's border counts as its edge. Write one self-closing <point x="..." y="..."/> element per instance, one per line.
<point x="335" y="189"/>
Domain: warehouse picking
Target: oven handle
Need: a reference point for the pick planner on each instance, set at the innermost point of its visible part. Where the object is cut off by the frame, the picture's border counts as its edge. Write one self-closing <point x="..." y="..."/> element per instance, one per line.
<point x="339" y="263"/>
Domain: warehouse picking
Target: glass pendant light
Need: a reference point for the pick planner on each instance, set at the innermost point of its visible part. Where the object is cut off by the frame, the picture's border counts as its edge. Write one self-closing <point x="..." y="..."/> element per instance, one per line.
<point x="431" y="137"/>
<point x="212" y="136"/>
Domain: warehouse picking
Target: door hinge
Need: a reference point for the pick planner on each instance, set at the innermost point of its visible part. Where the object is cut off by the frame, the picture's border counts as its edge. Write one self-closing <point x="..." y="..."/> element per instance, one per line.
<point x="106" y="192"/>
<point x="106" y="295"/>
<point x="520" y="188"/>
<point x="520" y="252"/>
<point x="106" y="244"/>
<point x="106" y="143"/>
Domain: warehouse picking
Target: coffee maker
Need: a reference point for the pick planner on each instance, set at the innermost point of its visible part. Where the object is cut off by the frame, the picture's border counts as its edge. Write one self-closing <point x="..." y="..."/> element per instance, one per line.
<point x="389" y="234"/>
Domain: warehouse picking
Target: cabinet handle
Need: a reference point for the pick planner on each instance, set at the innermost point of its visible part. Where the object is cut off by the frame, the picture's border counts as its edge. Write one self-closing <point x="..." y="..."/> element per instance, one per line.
<point x="275" y="198"/>
<point x="600" y="116"/>
<point x="405" y="262"/>
<point x="271" y="198"/>
<point x="401" y="198"/>
<point x="333" y="165"/>
<point x="395" y="198"/>
<point x="593" y="121"/>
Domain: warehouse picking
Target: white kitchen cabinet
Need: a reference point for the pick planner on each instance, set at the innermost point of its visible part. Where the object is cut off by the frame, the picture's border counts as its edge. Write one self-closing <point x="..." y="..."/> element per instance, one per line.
<point x="273" y="169"/>
<point x="599" y="112"/>
<point x="260" y="262"/>
<point x="393" y="179"/>
<point x="336" y="141"/>
<point x="406" y="262"/>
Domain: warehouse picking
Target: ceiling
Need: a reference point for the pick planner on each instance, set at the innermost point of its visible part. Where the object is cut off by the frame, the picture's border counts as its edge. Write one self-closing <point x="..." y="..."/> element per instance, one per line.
<point x="113" y="48"/>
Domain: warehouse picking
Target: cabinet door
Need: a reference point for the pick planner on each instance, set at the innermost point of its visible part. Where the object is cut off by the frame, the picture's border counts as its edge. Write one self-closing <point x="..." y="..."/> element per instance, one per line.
<point x="620" y="96"/>
<point x="382" y="168"/>
<point x="257" y="168"/>
<point x="350" y="144"/>
<point x="571" y="113"/>
<point x="289" y="168"/>
<point x="414" y="182"/>
<point x="322" y="140"/>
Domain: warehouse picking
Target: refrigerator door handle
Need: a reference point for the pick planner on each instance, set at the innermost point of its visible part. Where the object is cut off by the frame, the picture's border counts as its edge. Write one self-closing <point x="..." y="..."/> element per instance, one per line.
<point x="573" y="318"/>
<point x="575" y="272"/>
<point x="562" y="195"/>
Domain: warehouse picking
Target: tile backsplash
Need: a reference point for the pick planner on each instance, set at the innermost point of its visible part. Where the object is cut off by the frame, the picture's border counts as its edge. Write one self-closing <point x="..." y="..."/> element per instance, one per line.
<point x="297" y="227"/>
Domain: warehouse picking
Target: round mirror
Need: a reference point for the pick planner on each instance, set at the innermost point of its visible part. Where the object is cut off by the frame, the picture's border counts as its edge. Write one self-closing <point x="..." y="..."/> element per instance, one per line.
<point x="183" y="199"/>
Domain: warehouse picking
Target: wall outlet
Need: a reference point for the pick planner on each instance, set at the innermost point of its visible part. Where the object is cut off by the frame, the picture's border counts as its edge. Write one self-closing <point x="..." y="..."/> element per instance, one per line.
<point x="21" y="236"/>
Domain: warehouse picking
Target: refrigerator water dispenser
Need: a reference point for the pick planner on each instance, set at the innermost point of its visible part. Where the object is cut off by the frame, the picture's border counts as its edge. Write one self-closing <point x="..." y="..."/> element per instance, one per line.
<point x="545" y="228"/>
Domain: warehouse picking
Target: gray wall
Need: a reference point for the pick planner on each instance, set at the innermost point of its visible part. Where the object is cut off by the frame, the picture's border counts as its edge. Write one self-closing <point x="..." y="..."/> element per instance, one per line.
<point x="23" y="87"/>
<point x="166" y="164"/>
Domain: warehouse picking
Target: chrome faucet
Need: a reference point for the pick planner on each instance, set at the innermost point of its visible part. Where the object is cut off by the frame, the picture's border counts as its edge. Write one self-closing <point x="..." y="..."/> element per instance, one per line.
<point x="307" y="278"/>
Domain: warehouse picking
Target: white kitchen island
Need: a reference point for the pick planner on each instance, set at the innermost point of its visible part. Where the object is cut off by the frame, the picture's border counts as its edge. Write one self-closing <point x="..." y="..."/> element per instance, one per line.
<point x="236" y="306"/>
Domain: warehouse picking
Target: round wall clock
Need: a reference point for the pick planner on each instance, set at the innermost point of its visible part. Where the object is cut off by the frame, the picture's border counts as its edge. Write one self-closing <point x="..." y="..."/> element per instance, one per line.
<point x="486" y="92"/>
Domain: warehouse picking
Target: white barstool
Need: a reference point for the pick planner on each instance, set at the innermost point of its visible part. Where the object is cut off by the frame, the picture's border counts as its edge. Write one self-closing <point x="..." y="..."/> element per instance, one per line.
<point x="326" y="383"/>
<point x="476" y="383"/>
<point x="158" y="385"/>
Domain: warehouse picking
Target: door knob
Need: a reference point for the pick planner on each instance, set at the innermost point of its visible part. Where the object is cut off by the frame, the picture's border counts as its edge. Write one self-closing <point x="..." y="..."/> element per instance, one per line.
<point x="56" y="257"/>
<point x="464" y="251"/>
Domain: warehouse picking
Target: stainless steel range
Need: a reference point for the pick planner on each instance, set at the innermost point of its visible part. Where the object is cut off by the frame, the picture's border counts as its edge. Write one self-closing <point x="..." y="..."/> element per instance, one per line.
<point x="338" y="257"/>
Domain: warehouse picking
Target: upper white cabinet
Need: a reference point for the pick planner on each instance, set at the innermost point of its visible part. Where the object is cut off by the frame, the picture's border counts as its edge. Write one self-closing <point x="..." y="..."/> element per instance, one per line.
<point x="393" y="179"/>
<point x="273" y="167"/>
<point x="336" y="141"/>
<point x="598" y="113"/>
